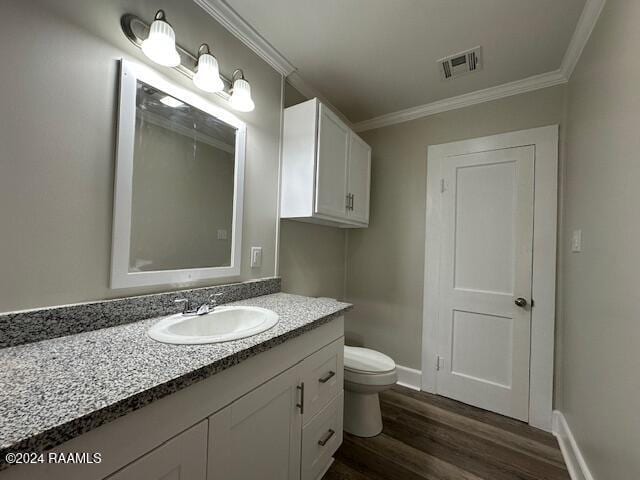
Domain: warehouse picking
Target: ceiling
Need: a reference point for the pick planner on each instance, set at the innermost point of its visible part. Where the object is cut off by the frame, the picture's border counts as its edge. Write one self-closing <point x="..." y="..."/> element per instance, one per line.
<point x="374" y="57"/>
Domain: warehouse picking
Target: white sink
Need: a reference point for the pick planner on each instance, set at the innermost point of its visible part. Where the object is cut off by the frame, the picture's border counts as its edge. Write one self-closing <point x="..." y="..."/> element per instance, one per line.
<point x="221" y="325"/>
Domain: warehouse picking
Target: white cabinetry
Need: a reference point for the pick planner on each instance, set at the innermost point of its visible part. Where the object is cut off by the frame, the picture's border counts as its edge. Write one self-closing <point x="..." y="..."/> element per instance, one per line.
<point x="322" y="374"/>
<point x="332" y="167"/>
<point x="326" y="168"/>
<point x="286" y="429"/>
<point x="359" y="179"/>
<point x="184" y="457"/>
<point x="260" y="433"/>
<point x="321" y="438"/>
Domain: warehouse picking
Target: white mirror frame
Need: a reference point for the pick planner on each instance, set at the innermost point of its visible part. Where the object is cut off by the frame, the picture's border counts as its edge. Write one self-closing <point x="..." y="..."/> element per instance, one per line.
<point x="121" y="277"/>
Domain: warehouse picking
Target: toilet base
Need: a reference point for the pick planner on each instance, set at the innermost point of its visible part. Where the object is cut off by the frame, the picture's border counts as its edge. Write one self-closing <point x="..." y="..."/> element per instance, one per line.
<point x="362" y="416"/>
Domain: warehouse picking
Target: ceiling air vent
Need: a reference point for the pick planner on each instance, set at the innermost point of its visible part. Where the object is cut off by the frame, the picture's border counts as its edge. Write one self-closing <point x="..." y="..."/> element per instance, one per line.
<point x="461" y="63"/>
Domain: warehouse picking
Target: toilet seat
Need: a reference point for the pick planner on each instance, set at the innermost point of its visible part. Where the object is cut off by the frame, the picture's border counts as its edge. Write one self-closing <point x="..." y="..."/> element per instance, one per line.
<point x="364" y="366"/>
<point x="367" y="361"/>
<point x="370" y="379"/>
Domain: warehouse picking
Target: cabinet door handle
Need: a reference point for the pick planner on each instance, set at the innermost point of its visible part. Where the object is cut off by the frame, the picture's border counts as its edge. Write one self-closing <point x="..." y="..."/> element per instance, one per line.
<point x="327" y="436"/>
<point x="327" y="376"/>
<point x="353" y="197"/>
<point x="348" y="206"/>
<point x="301" y="404"/>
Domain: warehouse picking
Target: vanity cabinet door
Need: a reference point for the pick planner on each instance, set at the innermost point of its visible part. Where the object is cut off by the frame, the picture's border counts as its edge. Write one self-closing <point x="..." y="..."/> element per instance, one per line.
<point x="184" y="457"/>
<point x="332" y="157"/>
<point x="258" y="436"/>
<point x="359" y="179"/>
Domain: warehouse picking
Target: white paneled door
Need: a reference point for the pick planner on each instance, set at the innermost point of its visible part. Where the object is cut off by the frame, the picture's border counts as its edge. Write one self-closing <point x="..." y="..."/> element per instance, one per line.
<point x="486" y="254"/>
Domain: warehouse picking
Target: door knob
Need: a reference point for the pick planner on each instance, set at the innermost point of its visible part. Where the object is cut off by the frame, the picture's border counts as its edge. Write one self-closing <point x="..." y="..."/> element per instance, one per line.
<point x="521" y="302"/>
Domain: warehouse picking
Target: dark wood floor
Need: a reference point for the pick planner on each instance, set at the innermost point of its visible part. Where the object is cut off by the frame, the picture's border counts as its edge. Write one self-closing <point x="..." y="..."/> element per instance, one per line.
<point x="430" y="437"/>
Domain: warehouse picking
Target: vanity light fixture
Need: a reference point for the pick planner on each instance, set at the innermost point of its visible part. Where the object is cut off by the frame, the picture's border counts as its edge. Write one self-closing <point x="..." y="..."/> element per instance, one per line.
<point x="207" y="76"/>
<point x="241" y="93"/>
<point x="169" y="101"/>
<point x="160" y="45"/>
<point x="158" y="42"/>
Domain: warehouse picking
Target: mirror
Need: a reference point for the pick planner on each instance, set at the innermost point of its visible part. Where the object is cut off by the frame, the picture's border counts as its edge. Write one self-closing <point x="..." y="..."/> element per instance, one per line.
<point x="179" y="175"/>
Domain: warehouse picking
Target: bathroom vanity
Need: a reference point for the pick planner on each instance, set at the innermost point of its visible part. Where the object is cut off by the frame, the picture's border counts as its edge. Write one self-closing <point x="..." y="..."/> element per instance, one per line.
<point x="267" y="406"/>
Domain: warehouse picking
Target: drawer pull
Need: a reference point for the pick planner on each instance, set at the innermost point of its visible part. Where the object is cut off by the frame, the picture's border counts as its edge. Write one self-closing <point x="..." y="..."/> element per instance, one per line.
<point x="327" y="376"/>
<point x="301" y="404"/>
<point x="327" y="436"/>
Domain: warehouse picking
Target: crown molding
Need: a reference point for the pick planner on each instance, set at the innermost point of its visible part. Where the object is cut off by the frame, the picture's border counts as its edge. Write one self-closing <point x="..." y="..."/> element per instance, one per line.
<point x="517" y="87"/>
<point x="587" y="22"/>
<point x="243" y="31"/>
<point x="240" y="28"/>
<point x="584" y="28"/>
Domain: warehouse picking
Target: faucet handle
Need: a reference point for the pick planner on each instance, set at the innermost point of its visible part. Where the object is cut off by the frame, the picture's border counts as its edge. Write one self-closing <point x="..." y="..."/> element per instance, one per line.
<point x="186" y="304"/>
<point x="213" y="298"/>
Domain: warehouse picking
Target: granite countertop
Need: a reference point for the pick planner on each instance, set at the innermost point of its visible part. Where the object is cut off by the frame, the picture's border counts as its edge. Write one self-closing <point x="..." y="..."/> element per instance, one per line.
<point x="54" y="390"/>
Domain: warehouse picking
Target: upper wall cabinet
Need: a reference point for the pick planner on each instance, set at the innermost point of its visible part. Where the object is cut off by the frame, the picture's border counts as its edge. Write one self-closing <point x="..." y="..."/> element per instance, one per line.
<point x="326" y="169"/>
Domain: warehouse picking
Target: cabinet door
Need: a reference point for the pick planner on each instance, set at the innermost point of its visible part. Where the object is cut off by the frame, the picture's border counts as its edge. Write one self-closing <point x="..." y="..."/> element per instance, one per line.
<point x="184" y="457"/>
<point x="331" y="167"/>
<point x="359" y="178"/>
<point x="258" y="436"/>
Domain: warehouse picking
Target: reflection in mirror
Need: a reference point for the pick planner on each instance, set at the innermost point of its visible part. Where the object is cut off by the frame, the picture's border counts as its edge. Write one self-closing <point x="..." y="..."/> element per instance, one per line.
<point x="183" y="181"/>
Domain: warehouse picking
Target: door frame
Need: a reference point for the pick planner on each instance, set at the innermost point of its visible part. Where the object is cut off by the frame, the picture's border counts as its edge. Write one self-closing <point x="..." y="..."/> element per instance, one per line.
<point x="545" y="224"/>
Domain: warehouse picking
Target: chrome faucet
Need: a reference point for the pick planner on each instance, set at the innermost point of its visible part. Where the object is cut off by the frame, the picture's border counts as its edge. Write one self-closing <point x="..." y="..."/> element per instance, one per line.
<point x="203" y="309"/>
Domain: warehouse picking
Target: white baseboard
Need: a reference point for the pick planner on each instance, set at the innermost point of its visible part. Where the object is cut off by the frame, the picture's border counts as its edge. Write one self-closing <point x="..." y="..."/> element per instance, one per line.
<point x="578" y="469"/>
<point x="409" y="377"/>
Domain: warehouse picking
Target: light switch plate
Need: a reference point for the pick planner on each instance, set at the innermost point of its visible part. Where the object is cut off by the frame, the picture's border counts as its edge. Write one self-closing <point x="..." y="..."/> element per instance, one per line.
<point x="256" y="257"/>
<point x="576" y="241"/>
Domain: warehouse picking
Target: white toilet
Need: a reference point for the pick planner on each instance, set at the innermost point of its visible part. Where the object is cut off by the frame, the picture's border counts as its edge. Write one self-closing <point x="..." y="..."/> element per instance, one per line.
<point x="366" y="373"/>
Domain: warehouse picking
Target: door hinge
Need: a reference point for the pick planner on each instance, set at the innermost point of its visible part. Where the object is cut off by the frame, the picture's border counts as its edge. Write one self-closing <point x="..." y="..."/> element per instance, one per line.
<point x="442" y="186"/>
<point x="439" y="362"/>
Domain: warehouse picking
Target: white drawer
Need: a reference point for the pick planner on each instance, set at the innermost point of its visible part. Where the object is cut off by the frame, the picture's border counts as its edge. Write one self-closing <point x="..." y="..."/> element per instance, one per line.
<point x="321" y="438"/>
<point x="323" y="375"/>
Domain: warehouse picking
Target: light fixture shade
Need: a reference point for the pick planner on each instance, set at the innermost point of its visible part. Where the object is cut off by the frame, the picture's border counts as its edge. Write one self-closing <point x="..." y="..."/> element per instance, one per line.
<point x="241" y="96"/>
<point x="207" y="75"/>
<point x="160" y="45"/>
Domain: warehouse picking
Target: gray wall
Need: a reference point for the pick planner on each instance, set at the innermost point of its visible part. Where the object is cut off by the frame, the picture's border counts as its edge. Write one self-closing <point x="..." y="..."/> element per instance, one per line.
<point x="600" y="384"/>
<point x="385" y="262"/>
<point x="312" y="257"/>
<point x="58" y="92"/>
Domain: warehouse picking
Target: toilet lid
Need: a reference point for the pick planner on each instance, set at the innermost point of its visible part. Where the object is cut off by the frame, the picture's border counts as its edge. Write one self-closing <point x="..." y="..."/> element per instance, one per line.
<point x="366" y="360"/>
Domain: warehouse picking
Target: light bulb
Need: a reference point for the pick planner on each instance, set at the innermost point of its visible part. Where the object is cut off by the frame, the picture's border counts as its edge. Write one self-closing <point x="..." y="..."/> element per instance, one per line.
<point x="169" y="101"/>
<point x="207" y="75"/>
<point x="160" y="45"/>
<point x="241" y="96"/>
